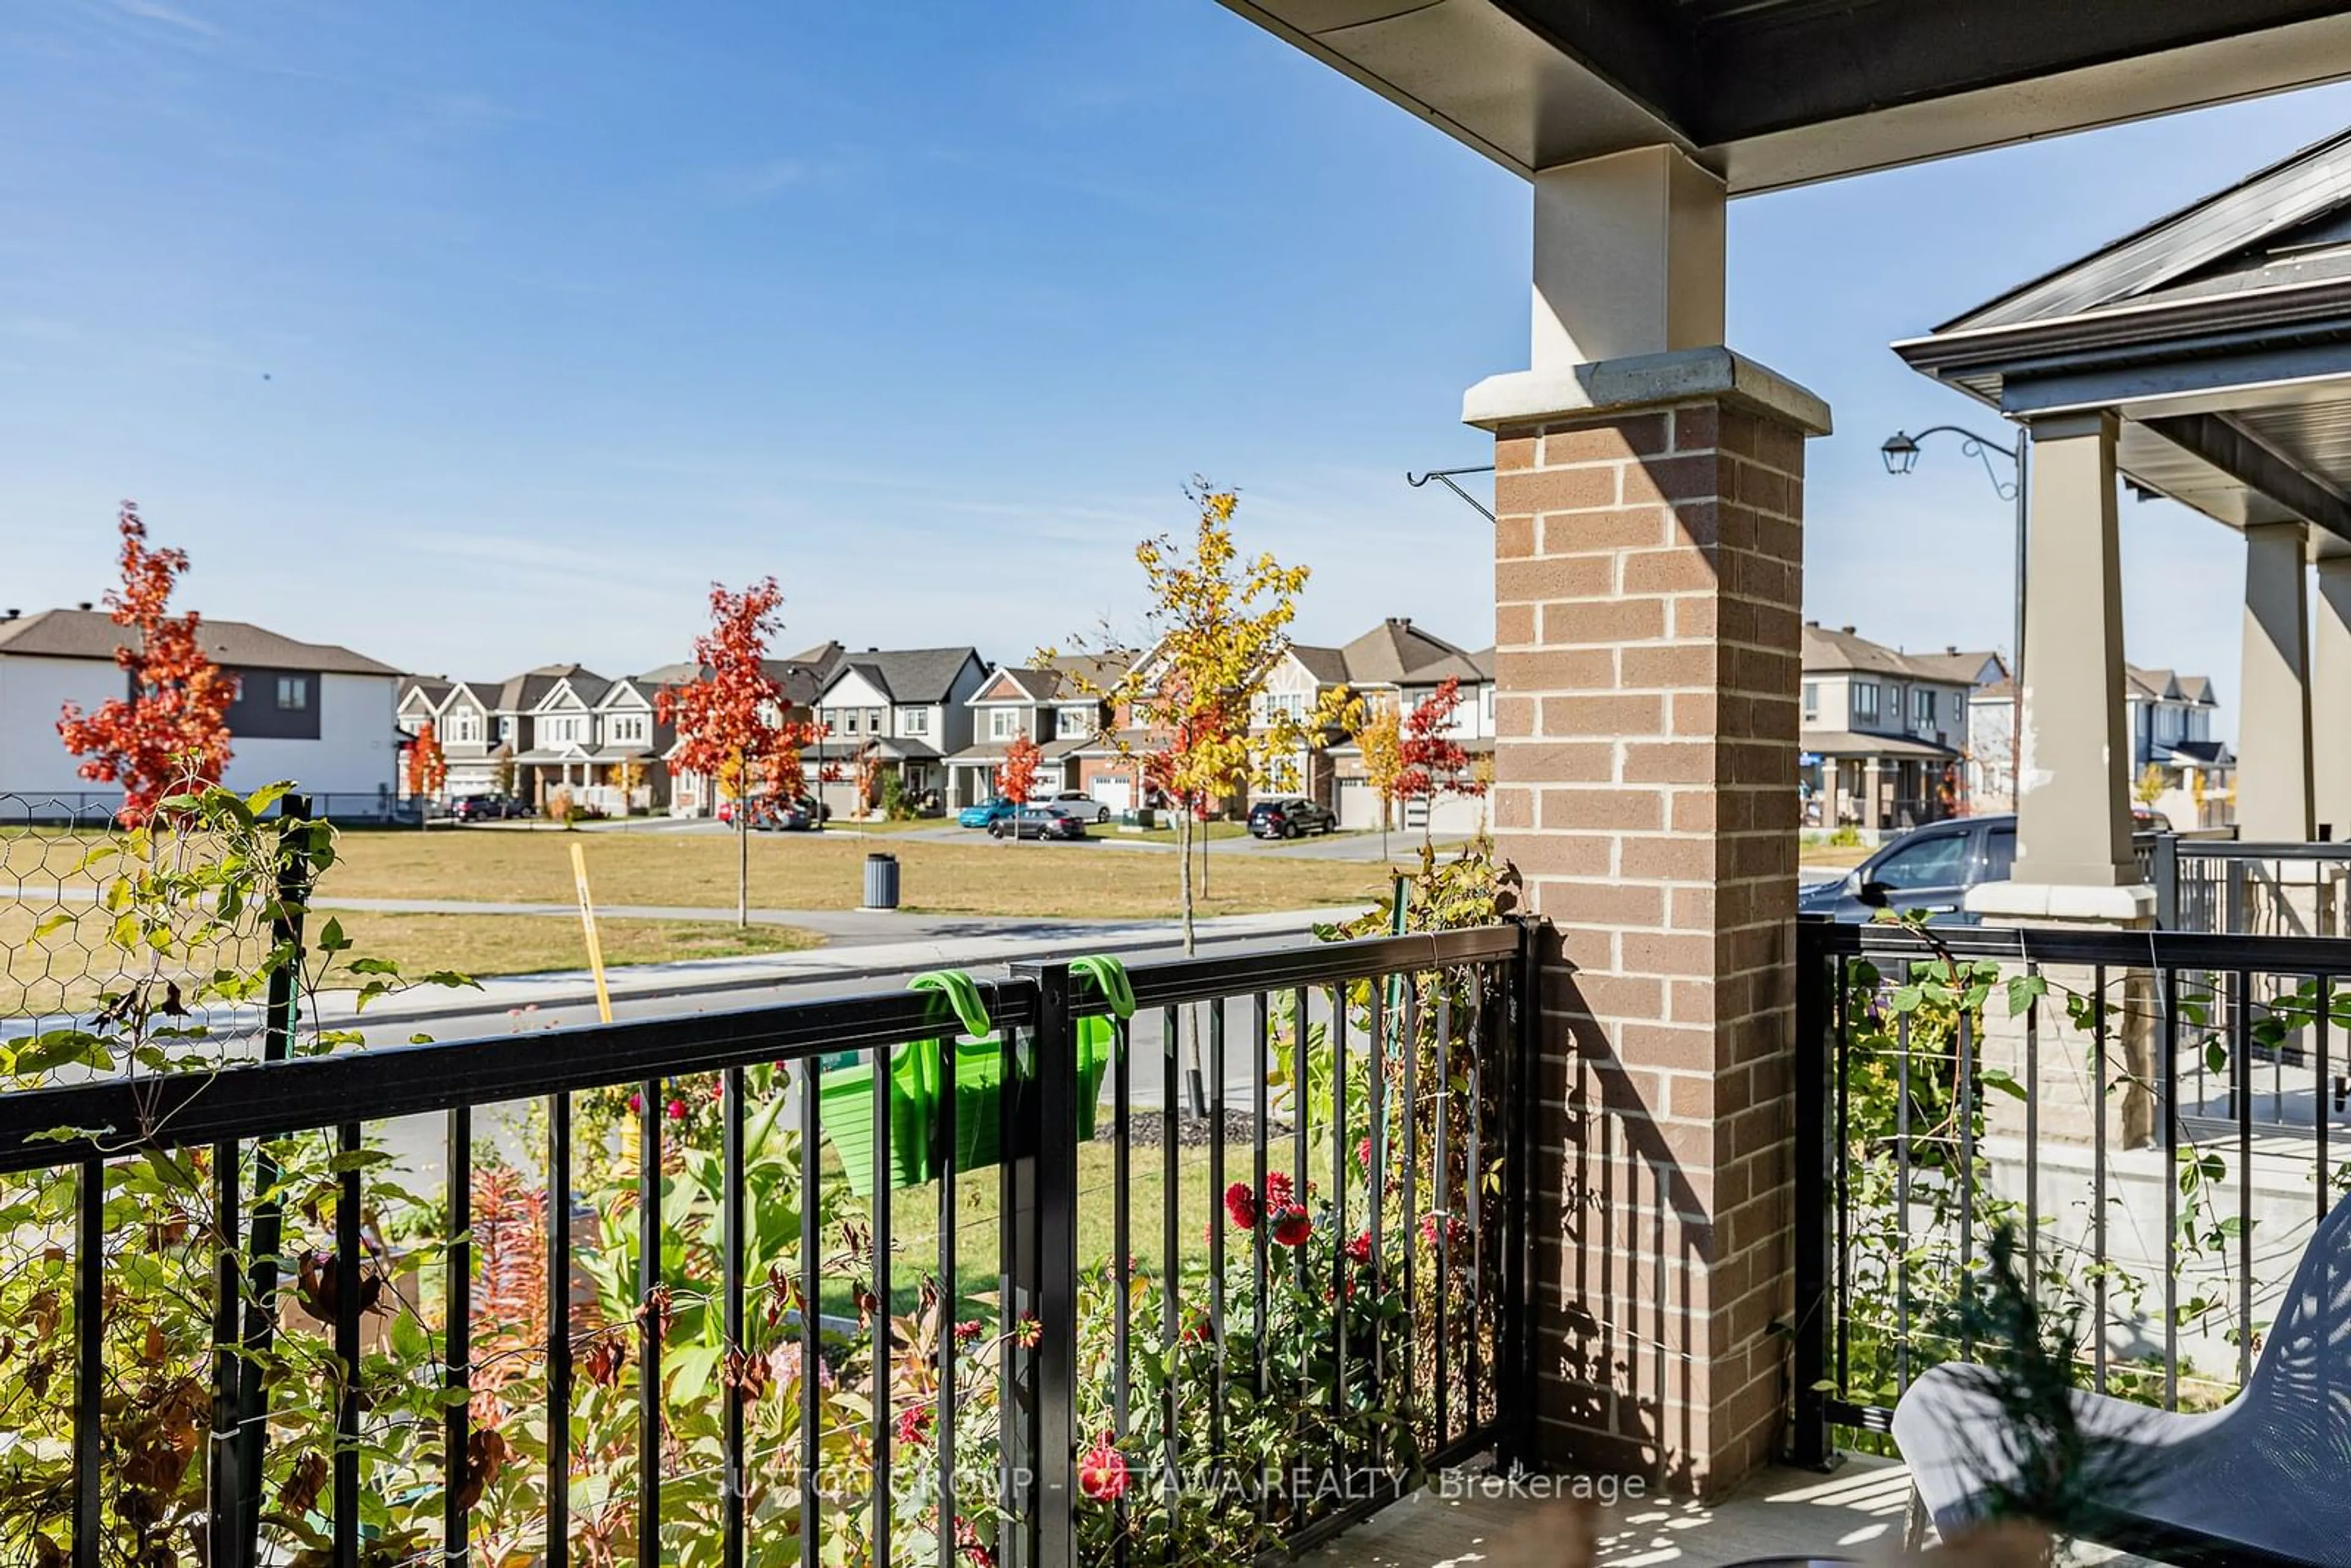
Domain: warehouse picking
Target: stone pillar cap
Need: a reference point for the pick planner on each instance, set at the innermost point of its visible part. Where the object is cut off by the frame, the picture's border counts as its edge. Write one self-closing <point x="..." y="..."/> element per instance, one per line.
<point x="1644" y="380"/>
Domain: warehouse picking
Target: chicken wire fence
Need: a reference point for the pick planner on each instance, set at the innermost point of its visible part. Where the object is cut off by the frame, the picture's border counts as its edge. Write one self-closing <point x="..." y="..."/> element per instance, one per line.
<point x="96" y="921"/>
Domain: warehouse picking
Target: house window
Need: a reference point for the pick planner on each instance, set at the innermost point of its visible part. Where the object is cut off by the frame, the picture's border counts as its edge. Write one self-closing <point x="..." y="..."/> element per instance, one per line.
<point x="293" y="693"/>
<point x="465" y="726"/>
<point x="1812" y="699"/>
<point x="1078" y="719"/>
<point x="1485" y="704"/>
<point x="914" y="720"/>
<point x="1864" y="699"/>
<point x="1922" y="705"/>
<point x="627" y="728"/>
<point x="1003" y="723"/>
<point x="843" y="721"/>
<point x="873" y="721"/>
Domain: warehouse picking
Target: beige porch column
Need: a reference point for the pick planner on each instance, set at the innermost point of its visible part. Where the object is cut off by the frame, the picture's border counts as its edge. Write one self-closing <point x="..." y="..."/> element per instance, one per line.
<point x="2330" y="698"/>
<point x="2074" y="854"/>
<point x="2273" y="760"/>
<point x="1648" y="579"/>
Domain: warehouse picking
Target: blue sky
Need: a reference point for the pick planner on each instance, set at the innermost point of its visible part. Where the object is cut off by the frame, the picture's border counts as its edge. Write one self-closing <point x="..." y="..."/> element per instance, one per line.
<point x="477" y="337"/>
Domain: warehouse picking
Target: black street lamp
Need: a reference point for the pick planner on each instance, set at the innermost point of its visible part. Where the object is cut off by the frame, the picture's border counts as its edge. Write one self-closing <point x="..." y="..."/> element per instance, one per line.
<point x="1901" y="455"/>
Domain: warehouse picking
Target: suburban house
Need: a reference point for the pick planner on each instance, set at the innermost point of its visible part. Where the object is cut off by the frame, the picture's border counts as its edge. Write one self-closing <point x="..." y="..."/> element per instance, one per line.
<point x="2168" y="717"/>
<point x="1398" y="664"/>
<point x="1395" y="664"/>
<point x="1047" y="705"/>
<point x="564" y="728"/>
<point x="1884" y="732"/>
<point x="316" y="713"/>
<point x="463" y="715"/>
<point x="907" y="709"/>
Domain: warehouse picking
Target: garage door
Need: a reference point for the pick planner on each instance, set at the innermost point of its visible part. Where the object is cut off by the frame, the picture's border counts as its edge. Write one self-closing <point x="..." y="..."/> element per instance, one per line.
<point x="1461" y="814"/>
<point x="1359" y="804"/>
<point x="1116" y="793"/>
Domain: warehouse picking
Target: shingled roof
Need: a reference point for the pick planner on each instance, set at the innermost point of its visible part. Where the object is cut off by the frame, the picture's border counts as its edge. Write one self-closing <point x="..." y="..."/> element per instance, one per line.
<point x="93" y="635"/>
<point x="1831" y="650"/>
<point x="908" y="675"/>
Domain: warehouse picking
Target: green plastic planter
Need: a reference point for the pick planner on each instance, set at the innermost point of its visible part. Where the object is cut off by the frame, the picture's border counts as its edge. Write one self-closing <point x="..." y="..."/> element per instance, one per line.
<point x="845" y="1108"/>
<point x="918" y="1081"/>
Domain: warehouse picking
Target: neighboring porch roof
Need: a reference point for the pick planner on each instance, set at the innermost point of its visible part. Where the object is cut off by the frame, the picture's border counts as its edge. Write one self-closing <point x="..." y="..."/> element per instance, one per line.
<point x="2221" y="334"/>
<point x="992" y="753"/>
<point x="1781" y="92"/>
<point x="1851" y="743"/>
<point x="2213" y="756"/>
<point x="843" y="750"/>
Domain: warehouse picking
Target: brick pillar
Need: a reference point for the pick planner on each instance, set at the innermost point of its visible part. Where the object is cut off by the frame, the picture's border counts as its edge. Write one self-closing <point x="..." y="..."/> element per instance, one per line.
<point x="1648" y="577"/>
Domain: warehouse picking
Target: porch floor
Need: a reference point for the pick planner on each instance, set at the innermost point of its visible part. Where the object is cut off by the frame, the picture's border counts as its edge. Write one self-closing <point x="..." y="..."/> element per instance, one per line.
<point x="1855" y="1512"/>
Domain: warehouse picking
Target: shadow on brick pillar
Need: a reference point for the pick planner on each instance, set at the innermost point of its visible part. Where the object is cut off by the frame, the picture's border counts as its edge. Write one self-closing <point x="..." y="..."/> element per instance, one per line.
<point x="1648" y="586"/>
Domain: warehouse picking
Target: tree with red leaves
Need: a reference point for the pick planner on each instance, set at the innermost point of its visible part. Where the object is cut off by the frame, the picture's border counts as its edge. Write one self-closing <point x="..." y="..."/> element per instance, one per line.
<point x="1016" y="776"/>
<point x="1433" y="764"/>
<point x="730" y="725"/>
<point x="171" y="734"/>
<point x="428" y="769"/>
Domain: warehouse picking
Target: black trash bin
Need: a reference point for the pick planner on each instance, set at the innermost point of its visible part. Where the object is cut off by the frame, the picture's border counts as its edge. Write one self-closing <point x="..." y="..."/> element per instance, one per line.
<point x="881" y="881"/>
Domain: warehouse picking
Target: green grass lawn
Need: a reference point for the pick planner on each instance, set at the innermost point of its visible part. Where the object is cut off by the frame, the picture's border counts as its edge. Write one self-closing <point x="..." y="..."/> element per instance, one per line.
<point x="916" y="1220"/>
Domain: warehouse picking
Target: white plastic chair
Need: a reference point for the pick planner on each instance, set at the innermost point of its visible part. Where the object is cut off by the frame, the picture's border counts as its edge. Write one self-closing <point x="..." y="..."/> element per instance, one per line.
<point x="2265" y="1479"/>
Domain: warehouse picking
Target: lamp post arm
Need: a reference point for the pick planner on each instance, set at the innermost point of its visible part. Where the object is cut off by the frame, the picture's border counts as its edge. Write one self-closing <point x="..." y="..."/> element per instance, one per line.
<point x="1982" y="448"/>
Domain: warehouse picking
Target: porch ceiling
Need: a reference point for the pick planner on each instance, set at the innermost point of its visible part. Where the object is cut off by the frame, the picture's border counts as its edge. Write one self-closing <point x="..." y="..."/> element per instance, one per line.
<point x="1782" y="92"/>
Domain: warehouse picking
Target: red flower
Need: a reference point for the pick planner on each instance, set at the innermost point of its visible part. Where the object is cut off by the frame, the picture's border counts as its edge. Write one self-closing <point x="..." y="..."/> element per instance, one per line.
<point x="1360" y="1248"/>
<point x="1240" y="1203"/>
<point x="1291" y="1226"/>
<point x="914" y="1426"/>
<point x="967" y="1541"/>
<point x="1101" y="1471"/>
<point x="1029" y="1332"/>
<point x="636" y="1105"/>
<point x="1364" y="1154"/>
<point x="966" y="1332"/>
<point x="1454" y="1232"/>
<point x="1195" y="1329"/>
<point x="719" y="1090"/>
<point x="677" y="1110"/>
<point x="1279" y="1192"/>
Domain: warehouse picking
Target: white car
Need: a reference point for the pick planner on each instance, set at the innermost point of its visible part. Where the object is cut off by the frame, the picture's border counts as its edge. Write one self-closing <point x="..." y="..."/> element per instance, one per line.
<point x="1079" y="801"/>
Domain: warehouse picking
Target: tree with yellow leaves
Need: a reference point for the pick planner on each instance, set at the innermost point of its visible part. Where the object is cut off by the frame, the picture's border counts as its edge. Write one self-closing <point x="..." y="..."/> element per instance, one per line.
<point x="1218" y="625"/>
<point x="1382" y="743"/>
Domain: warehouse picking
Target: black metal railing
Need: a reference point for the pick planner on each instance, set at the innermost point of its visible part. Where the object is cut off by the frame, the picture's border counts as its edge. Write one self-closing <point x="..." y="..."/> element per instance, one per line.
<point x="2148" y="1112"/>
<point x="621" y="1297"/>
<point x="2212" y="883"/>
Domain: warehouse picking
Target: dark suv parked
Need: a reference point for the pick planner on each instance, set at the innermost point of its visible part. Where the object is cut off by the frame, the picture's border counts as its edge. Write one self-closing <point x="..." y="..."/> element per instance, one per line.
<point x="1930" y="868"/>
<point x="1290" y="816"/>
<point x="487" y="808"/>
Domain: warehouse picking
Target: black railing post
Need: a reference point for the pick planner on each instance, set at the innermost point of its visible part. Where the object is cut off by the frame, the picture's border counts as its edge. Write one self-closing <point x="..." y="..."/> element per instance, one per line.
<point x="1040" y="1267"/>
<point x="280" y="1019"/>
<point x="2165" y="873"/>
<point x="1517" y="1387"/>
<point x="1809" y="1444"/>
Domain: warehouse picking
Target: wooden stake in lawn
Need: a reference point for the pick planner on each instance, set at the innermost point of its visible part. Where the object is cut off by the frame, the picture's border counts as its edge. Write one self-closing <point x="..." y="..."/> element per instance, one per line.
<point x="731" y="723"/>
<point x="588" y="925"/>
<point x="1219" y="625"/>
